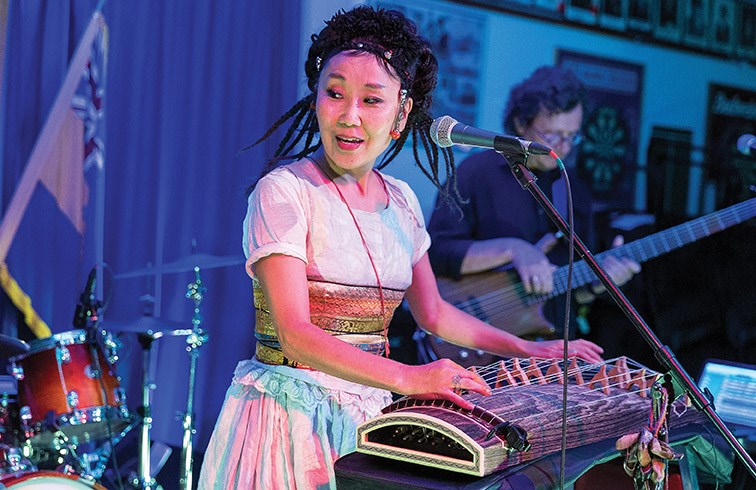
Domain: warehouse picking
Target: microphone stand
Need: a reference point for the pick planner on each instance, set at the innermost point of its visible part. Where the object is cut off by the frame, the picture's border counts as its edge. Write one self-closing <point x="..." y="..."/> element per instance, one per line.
<point x="679" y="378"/>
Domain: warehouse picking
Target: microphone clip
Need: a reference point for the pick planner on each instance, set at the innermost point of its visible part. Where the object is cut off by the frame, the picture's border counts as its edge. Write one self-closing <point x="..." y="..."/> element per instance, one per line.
<point x="88" y="309"/>
<point x="86" y="313"/>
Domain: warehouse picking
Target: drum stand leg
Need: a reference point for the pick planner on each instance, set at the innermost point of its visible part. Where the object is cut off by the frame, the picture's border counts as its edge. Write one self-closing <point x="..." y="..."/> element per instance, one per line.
<point x="143" y="479"/>
<point x="195" y="292"/>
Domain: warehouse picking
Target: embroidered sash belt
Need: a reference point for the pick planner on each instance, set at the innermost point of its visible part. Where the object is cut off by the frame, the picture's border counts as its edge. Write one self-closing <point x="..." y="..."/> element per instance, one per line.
<point x="350" y="313"/>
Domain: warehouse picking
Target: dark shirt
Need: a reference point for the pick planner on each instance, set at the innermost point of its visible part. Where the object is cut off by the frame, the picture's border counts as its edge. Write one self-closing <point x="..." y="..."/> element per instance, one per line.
<point x="499" y="207"/>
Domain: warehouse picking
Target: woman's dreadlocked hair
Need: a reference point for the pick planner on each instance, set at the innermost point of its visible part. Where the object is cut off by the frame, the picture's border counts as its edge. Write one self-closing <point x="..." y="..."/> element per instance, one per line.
<point x="394" y="41"/>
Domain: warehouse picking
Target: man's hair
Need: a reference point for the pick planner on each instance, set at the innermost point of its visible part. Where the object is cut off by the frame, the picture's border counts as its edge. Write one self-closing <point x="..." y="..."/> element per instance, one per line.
<point x="550" y="88"/>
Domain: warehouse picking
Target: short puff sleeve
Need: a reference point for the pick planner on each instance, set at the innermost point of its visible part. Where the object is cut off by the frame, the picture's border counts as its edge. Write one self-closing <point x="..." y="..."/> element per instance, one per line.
<point x="276" y="219"/>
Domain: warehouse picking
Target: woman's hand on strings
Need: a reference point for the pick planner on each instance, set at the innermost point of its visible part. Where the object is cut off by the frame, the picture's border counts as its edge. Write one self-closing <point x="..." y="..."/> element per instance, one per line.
<point x="444" y="379"/>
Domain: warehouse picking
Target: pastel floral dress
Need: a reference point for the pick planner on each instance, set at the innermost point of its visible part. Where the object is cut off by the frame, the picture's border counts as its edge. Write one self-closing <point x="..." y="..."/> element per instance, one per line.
<point x="282" y="427"/>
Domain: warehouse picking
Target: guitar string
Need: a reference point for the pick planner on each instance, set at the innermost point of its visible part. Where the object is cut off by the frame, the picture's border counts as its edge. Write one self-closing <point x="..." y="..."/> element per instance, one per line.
<point x="503" y="299"/>
<point x="582" y="274"/>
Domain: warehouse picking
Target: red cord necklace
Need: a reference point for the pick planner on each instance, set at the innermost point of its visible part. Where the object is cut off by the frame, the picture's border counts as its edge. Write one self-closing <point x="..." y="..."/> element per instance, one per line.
<point x="364" y="243"/>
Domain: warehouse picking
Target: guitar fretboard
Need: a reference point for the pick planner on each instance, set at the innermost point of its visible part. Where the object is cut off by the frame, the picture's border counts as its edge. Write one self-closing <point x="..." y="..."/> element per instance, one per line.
<point x="654" y="245"/>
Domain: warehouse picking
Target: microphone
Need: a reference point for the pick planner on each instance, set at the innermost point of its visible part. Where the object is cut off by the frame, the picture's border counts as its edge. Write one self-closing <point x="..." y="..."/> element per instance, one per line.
<point x="446" y="131"/>
<point x="88" y="295"/>
<point x="87" y="304"/>
<point x="746" y="143"/>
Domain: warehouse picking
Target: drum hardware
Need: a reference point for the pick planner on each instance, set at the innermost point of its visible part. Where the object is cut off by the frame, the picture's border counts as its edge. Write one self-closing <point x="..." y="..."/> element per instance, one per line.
<point x="62" y="410"/>
<point x="195" y="292"/>
<point x="148" y="330"/>
<point x="143" y="478"/>
<point x="14" y="460"/>
<point x="93" y="463"/>
<point x="86" y="459"/>
<point x="186" y="264"/>
<point x="150" y="325"/>
<point x="94" y="410"/>
<point x="45" y="480"/>
<point x="11" y="347"/>
<point x="72" y="410"/>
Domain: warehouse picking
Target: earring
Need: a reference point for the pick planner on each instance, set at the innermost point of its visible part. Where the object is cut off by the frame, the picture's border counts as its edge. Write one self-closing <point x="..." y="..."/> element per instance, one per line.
<point x="395" y="133"/>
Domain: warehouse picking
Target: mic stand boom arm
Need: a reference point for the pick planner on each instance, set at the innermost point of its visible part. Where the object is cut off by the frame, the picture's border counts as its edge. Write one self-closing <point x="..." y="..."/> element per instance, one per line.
<point x="679" y="377"/>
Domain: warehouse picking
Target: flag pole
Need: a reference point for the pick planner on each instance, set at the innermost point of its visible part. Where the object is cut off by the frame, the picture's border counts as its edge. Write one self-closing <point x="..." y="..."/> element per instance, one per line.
<point x="99" y="224"/>
<point x="43" y="147"/>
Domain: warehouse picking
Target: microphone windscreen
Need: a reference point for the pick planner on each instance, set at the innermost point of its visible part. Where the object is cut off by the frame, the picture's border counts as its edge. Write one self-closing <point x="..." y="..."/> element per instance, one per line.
<point x="440" y="131"/>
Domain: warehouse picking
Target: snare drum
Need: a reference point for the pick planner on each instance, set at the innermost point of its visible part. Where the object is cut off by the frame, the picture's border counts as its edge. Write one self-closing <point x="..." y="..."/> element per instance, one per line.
<point x="60" y="387"/>
<point x="47" y="480"/>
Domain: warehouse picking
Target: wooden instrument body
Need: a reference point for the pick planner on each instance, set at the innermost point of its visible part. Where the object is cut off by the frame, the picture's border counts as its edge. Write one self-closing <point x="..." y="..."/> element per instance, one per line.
<point x="439" y="434"/>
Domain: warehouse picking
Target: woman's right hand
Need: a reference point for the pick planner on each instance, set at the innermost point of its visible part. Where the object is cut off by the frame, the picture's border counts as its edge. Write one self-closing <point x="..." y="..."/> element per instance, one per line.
<point x="445" y="379"/>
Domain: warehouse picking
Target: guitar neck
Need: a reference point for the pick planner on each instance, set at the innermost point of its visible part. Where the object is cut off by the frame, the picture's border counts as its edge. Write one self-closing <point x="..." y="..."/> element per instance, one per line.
<point x="659" y="243"/>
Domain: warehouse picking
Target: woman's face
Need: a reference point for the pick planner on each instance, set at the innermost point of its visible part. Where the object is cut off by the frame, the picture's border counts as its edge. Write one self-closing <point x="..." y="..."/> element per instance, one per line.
<point x="357" y="106"/>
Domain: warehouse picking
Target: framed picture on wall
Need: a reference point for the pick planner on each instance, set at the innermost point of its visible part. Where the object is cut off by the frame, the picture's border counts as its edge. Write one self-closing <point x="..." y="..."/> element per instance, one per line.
<point x="607" y="159"/>
<point x="613" y="14"/>
<point x="585" y="11"/>
<point x="722" y="25"/>
<point x="695" y="13"/>
<point x="516" y="5"/>
<point x="455" y="35"/>
<point x="727" y="120"/>
<point x="668" y="20"/>
<point x="639" y="15"/>
<point x="745" y="36"/>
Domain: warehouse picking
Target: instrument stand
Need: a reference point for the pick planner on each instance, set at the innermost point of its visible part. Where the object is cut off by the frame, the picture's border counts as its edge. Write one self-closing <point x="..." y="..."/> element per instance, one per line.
<point x="195" y="292"/>
<point x="143" y="480"/>
<point x="92" y="463"/>
<point x="676" y="375"/>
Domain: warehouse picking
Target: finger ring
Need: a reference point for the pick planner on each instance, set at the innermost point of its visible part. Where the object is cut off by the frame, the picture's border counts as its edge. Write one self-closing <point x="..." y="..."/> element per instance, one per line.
<point x="535" y="279"/>
<point x="456" y="381"/>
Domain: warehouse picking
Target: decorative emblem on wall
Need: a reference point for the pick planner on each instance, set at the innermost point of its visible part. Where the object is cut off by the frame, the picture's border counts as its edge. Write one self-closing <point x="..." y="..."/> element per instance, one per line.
<point x="604" y="149"/>
<point x="608" y="156"/>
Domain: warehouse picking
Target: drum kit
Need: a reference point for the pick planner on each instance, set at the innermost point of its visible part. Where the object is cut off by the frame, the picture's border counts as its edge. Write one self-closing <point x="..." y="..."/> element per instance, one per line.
<point x="62" y="409"/>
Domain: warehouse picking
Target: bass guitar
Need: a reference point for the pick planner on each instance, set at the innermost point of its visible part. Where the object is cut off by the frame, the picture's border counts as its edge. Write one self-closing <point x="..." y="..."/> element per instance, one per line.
<point x="499" y="298"/>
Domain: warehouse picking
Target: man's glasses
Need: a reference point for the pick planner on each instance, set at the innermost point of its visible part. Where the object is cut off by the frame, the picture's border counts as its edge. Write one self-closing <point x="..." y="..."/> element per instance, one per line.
<point x="554" y="139"/>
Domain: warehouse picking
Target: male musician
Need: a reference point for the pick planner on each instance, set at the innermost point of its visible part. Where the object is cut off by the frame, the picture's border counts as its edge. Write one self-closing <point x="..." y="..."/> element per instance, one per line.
<point x="501" y="222"/>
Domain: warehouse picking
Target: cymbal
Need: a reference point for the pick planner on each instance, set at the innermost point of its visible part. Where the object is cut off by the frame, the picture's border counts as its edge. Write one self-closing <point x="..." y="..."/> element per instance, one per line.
<point x="185" y="264"/>
<point x="11" y="346"/>
<point x="149" y="325"/>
